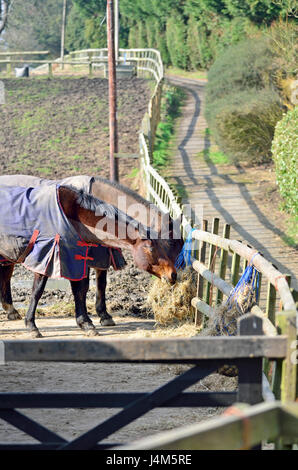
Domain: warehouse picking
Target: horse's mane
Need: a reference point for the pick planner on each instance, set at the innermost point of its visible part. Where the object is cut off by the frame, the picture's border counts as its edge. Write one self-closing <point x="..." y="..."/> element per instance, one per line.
<point x="134" y="195"/>
<point x="89" y="202"/>
<point x="171" y="242"/>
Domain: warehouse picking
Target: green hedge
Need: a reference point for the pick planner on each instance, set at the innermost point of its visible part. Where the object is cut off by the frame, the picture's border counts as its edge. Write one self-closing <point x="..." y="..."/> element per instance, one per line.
<point x="243" y="124"/>
<point x="176" y="40"/>
<point x="172" y="100"/>
<point x="285" y="156"/>
<point x="242" y="104"/>
<point x="247" y="65"/>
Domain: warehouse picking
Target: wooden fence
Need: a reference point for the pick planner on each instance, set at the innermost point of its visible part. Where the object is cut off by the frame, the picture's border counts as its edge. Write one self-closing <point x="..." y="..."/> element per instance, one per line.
<point x="147" y="62"/>
<point x="17" y="58"/>
<point x="203" y="355"/>
<point x="219" y="263"/>
<point x="240" y="428"/>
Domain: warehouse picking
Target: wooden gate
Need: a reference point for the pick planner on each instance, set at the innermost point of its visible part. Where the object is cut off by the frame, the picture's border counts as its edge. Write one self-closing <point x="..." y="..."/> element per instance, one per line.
<point x="204" y="355"/>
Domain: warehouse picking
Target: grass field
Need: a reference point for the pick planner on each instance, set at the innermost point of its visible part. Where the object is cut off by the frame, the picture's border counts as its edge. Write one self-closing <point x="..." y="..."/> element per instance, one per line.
<point x="60" y="127"/>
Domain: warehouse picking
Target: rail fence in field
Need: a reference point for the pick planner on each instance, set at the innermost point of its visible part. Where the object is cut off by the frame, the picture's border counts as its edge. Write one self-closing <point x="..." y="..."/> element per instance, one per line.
<point x="265" y="349"/>
<point x="142" y="61"/>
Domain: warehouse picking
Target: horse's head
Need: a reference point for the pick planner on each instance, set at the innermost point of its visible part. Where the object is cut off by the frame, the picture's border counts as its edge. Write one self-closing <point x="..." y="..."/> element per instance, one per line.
<point x="170" y="236"/>
<point x="150" y="256"/>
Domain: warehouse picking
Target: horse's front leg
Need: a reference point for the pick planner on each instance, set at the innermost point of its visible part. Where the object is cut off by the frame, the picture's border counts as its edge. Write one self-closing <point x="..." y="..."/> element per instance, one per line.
<point x="39" y="284"/>
<point x="100" y="302"/>
<point x="79" y="290"/>
<point x="5" y="292"/>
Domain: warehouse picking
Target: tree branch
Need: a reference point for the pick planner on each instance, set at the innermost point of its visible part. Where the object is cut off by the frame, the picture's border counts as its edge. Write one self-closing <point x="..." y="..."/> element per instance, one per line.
<point x="4" y="11"/>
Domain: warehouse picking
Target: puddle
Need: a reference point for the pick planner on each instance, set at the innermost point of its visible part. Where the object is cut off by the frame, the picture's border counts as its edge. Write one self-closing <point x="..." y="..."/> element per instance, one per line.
<point x="52" y="284"/>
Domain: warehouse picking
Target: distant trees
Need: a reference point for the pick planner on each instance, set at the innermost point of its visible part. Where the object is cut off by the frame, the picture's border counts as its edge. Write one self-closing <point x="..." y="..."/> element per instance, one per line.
<point x="189" y="33"/>
<point x="92" y="14"/>
<point x="35" y="24"/>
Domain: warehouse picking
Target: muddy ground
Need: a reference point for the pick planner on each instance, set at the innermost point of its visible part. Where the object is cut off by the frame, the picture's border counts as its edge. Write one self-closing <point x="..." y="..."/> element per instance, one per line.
<point x="126" y="300"/>
<point x="57" y="128"/>
<point x="126" y="292"/>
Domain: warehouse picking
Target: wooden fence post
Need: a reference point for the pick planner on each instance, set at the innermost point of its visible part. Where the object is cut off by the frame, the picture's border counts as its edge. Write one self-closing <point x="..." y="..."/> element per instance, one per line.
<point x="50" y="72"/>
<point x="200" y="284"/>
<point x="286" y="323"/>
<point x="223" y="262"/>
<point x="90" y="56"/>
<point x="250" y="370"/>
<point x="235" y="269"/>
<point x="270" y="302"/>
<point x="211" y="262"/>
<point x="8" y="67"/>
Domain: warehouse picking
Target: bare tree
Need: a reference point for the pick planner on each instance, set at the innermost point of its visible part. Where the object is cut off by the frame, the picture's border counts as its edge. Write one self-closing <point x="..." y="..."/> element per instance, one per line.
<point x="4" y="11"/>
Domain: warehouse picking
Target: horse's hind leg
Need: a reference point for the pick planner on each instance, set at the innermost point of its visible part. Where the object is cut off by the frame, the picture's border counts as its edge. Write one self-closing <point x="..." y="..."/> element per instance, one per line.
<point x="5" y="292"/>
<point x="79" y="290"/>
<point x="100" y="303"/>
<point x="37" y="291"/>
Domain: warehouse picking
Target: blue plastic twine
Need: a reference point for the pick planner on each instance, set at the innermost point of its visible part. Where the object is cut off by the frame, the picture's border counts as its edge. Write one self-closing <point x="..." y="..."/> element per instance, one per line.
<point x="250" y="276"/>
<point x="184" y="258"/>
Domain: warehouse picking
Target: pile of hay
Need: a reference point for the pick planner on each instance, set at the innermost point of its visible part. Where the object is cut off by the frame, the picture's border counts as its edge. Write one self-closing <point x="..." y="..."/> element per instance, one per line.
<point x="172" y="304"/>
<point x="224" y="321"/>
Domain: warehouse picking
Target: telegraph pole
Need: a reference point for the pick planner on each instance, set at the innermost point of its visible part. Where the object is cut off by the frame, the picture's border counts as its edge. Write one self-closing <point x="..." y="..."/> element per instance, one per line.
<point x="63" y="33"/>
<point x="116" y="30"/>
<point x="114" y="172"/>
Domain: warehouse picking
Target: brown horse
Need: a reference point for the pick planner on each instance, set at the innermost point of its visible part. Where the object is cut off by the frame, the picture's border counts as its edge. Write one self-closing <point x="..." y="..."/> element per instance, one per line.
<point x="113" y="193"/>
<point x="92" y="220"/>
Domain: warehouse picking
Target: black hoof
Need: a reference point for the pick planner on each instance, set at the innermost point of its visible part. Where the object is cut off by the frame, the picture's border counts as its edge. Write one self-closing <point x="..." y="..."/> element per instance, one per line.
<point x="35" y="334"/>
<point x="88" y="328"/>
<point x="14" y="315"/>
<point x="92" y="332"/>
<point x="107" y="322"/>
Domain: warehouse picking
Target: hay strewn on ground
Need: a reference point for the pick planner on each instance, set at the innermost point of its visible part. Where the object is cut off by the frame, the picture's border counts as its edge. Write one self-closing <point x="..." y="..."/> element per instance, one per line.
<point x="184" y="330"/>
<point x="172" y="305"/>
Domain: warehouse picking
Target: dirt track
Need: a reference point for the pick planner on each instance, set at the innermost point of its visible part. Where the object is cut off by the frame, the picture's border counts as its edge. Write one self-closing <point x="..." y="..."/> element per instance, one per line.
<point x="70" y="423"/>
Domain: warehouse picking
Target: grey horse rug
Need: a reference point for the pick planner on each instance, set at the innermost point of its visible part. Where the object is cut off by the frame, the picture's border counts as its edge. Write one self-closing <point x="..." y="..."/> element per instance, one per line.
<point x="34" y="230"/>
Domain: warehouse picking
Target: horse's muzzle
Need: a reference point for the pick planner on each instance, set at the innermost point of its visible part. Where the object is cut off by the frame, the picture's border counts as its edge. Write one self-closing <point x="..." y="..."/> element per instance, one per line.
<point x="171" y="279"/>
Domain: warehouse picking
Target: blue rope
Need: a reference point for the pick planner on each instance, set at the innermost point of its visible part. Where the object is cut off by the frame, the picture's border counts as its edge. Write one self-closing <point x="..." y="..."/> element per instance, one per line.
<point x="251" y="276"/>
<point x="184" y="258"/>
